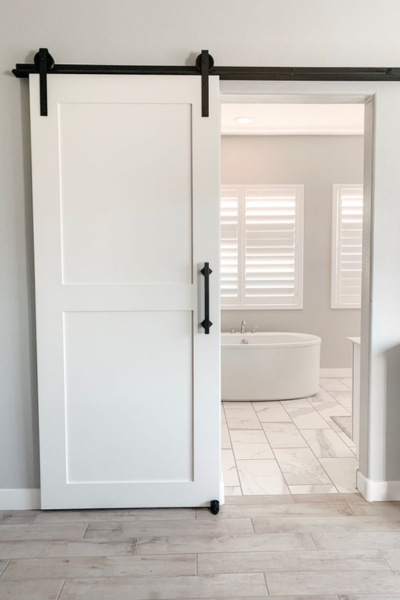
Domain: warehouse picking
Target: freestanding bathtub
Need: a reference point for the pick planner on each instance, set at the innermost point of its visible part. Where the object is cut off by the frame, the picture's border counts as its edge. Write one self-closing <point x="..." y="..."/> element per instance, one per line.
<point x="269" y="366"/>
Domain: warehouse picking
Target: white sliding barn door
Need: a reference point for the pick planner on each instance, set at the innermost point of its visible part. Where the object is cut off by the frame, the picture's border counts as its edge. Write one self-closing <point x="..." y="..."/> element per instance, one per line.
<point x="126" y="212"/>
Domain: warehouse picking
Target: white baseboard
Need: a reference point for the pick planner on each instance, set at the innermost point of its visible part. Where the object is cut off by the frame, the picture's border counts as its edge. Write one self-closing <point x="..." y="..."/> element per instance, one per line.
<point x="24" y="499"/>
<point x="378" y="491"/>
<point x="341" y="372"/>
<point x="222" y="493"/>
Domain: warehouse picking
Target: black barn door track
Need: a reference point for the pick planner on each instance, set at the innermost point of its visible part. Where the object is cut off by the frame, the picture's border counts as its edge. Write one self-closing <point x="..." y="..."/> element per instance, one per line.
<point x="45" y="65"/>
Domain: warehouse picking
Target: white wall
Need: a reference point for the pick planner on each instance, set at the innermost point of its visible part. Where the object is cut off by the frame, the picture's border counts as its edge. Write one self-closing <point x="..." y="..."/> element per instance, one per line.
<point x="255" y="32"/>
<point x="317" y="162"/>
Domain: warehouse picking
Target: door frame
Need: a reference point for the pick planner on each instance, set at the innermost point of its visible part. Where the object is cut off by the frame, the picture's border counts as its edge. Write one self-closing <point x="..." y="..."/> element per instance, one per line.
<point x="375" y="480"/>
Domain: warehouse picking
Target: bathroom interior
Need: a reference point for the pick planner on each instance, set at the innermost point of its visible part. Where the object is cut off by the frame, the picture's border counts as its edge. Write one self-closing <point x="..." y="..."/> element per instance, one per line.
<point x="291" y="251"/>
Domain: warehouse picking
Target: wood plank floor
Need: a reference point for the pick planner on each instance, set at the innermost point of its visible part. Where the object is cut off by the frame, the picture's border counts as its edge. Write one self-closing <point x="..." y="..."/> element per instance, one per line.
<point x="293" y="547"/>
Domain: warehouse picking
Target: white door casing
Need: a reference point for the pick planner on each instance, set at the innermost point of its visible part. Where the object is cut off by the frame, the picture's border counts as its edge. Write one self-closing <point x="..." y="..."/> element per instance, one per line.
<point x="126" y="212"/>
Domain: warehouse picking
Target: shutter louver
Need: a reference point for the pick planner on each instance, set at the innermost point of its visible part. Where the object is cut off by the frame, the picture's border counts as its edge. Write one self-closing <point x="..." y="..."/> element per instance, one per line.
<point x="346" y="278"/>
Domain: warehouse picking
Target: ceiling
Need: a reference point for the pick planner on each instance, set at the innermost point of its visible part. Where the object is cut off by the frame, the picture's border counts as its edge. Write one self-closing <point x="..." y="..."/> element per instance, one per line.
<point x="293" y="119"/>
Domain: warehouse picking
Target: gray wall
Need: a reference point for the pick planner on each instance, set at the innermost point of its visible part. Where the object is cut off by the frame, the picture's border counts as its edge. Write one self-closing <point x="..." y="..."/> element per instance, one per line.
<point x="257" y="32"/>
<point x="316" y="162"/>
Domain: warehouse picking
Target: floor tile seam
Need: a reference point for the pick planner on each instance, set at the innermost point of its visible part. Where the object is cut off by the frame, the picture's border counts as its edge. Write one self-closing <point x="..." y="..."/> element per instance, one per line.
<point x="7" y="565"/>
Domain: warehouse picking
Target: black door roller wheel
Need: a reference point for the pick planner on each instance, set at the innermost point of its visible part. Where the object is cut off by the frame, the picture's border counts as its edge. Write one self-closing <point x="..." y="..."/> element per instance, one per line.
<point x="214" y="507"/>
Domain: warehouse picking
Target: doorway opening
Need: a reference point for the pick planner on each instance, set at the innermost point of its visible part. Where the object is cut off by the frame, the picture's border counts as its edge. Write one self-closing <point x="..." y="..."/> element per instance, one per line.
<point x="292" y="205"/>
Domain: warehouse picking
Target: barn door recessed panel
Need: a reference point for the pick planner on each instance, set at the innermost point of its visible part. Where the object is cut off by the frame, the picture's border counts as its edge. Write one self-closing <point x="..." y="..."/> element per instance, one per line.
<point x="126" y="192"/>
<point x="118" y="372"/>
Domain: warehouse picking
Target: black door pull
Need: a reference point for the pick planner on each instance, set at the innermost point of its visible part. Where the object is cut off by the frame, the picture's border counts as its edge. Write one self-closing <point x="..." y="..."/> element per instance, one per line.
<point x="206" y="271"/>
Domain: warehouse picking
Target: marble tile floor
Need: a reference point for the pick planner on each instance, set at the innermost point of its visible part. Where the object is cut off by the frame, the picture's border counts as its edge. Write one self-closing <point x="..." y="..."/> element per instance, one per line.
<point x="291" y="547"/>
<point x="290" y="447"/>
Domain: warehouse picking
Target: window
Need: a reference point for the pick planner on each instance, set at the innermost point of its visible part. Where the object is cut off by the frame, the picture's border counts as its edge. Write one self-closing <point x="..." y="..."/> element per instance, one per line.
<point x="347" y="223"/>
<point x="262" y="246"/>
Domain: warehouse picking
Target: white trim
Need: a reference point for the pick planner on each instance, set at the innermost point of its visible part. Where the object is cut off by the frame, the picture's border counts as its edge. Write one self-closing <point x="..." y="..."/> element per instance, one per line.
<point x="20" y="499"/>
<point x="378" y="491"/>
<point x="261" y="307"/>
<point x="293" y="131"/>
<point x="222" y="492"/>
<point x="340" y="372"/>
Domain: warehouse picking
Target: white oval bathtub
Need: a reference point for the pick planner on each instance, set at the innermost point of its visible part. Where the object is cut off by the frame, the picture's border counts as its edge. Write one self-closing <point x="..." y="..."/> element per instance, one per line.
<point x="269" y="366"/>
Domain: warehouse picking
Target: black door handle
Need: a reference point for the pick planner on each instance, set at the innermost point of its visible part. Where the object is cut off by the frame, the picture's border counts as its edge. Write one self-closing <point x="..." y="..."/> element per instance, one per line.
<point x="206" y="271"/>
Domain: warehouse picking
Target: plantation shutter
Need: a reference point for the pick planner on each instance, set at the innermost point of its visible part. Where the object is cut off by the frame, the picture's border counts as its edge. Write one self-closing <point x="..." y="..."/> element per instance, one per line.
<point x="273" y="223"/>
<point x="347" y="246"/>
<point x="262" y="246"/>
<point x="230" y="246"/>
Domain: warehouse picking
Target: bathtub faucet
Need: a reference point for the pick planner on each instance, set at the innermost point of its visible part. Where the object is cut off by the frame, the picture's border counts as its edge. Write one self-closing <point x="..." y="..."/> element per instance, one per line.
<point x="243" y="327"/>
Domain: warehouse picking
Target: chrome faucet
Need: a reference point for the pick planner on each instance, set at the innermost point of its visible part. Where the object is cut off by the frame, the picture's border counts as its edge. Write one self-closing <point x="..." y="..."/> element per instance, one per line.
<point x="243" y="327"/>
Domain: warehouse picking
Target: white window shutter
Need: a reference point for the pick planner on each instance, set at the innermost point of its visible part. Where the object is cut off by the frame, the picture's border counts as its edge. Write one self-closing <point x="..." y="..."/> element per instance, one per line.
<point x="347" y="224"/>
<point x="230" y="293"/>
<point x="273" y="246"/>
<point x="262" y="246"/>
